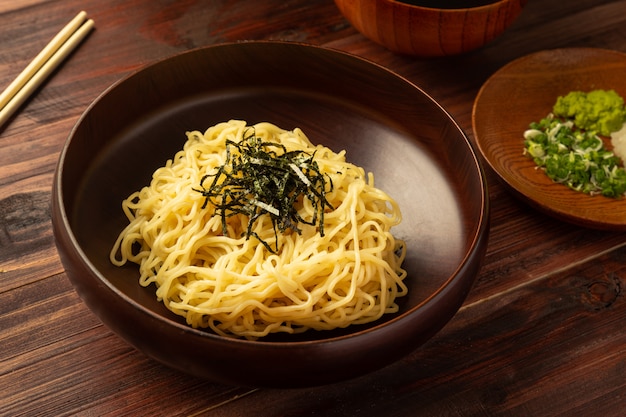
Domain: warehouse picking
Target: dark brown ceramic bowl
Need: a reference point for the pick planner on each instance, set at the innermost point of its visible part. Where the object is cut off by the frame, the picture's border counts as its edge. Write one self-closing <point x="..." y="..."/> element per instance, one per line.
<point x="418" y="153"/>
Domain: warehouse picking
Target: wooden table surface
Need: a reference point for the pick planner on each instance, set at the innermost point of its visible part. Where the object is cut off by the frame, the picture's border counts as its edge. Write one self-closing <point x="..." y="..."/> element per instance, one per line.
<point x="543" y="330"/>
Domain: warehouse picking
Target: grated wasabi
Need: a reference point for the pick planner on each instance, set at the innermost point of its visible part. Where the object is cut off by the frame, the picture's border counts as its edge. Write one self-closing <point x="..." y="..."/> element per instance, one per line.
<point x="601" y="111"/>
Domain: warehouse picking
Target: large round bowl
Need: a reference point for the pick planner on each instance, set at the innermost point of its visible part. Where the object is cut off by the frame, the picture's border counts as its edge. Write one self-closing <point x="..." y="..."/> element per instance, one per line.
<point x="389" y="126"/>
<point x="430" y="28"/>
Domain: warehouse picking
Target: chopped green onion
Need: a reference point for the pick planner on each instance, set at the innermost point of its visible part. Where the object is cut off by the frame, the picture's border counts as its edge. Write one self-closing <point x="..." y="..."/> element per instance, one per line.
<point x="574" y="157"/>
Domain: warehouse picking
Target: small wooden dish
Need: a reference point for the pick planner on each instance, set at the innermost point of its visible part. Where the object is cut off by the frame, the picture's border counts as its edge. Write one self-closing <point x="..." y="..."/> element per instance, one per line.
<point x="415" y="27"/>
<point x="525" y="91"/>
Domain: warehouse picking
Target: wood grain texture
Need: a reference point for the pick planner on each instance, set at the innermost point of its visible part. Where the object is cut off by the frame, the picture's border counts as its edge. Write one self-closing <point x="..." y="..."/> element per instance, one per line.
<point x="541" y="333"/>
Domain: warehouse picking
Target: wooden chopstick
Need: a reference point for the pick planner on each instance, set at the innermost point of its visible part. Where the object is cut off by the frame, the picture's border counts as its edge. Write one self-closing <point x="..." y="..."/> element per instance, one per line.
<point x="43" y="65"/>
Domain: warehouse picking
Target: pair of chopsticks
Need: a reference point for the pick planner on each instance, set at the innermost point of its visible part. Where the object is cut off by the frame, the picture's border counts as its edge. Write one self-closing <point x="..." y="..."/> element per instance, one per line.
<point x="43" y="65"/>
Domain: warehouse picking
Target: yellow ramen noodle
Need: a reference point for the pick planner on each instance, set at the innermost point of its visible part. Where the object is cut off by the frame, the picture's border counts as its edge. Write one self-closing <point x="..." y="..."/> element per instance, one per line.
<point x="236" y="286"/>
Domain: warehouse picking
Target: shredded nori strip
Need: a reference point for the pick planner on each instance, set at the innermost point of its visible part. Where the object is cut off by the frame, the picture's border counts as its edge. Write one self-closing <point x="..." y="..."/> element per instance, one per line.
<point x="262" y="178"/>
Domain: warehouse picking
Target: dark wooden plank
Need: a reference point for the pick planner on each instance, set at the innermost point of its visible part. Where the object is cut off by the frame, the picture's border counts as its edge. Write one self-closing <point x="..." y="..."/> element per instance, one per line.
<point x="540" y="334"/>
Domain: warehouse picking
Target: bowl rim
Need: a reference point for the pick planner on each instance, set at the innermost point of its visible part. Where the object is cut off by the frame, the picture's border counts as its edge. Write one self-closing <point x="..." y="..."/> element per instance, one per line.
<point x="492" y="4"/>
<point x="480" y="231"/>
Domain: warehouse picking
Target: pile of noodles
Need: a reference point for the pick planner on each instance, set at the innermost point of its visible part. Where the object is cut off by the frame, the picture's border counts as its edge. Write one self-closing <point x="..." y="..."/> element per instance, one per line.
<point x="237" y="287"/>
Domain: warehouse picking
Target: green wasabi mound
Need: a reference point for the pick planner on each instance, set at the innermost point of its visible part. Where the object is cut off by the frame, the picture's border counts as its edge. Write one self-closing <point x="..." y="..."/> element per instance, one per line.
<point x="601" y="111"/>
